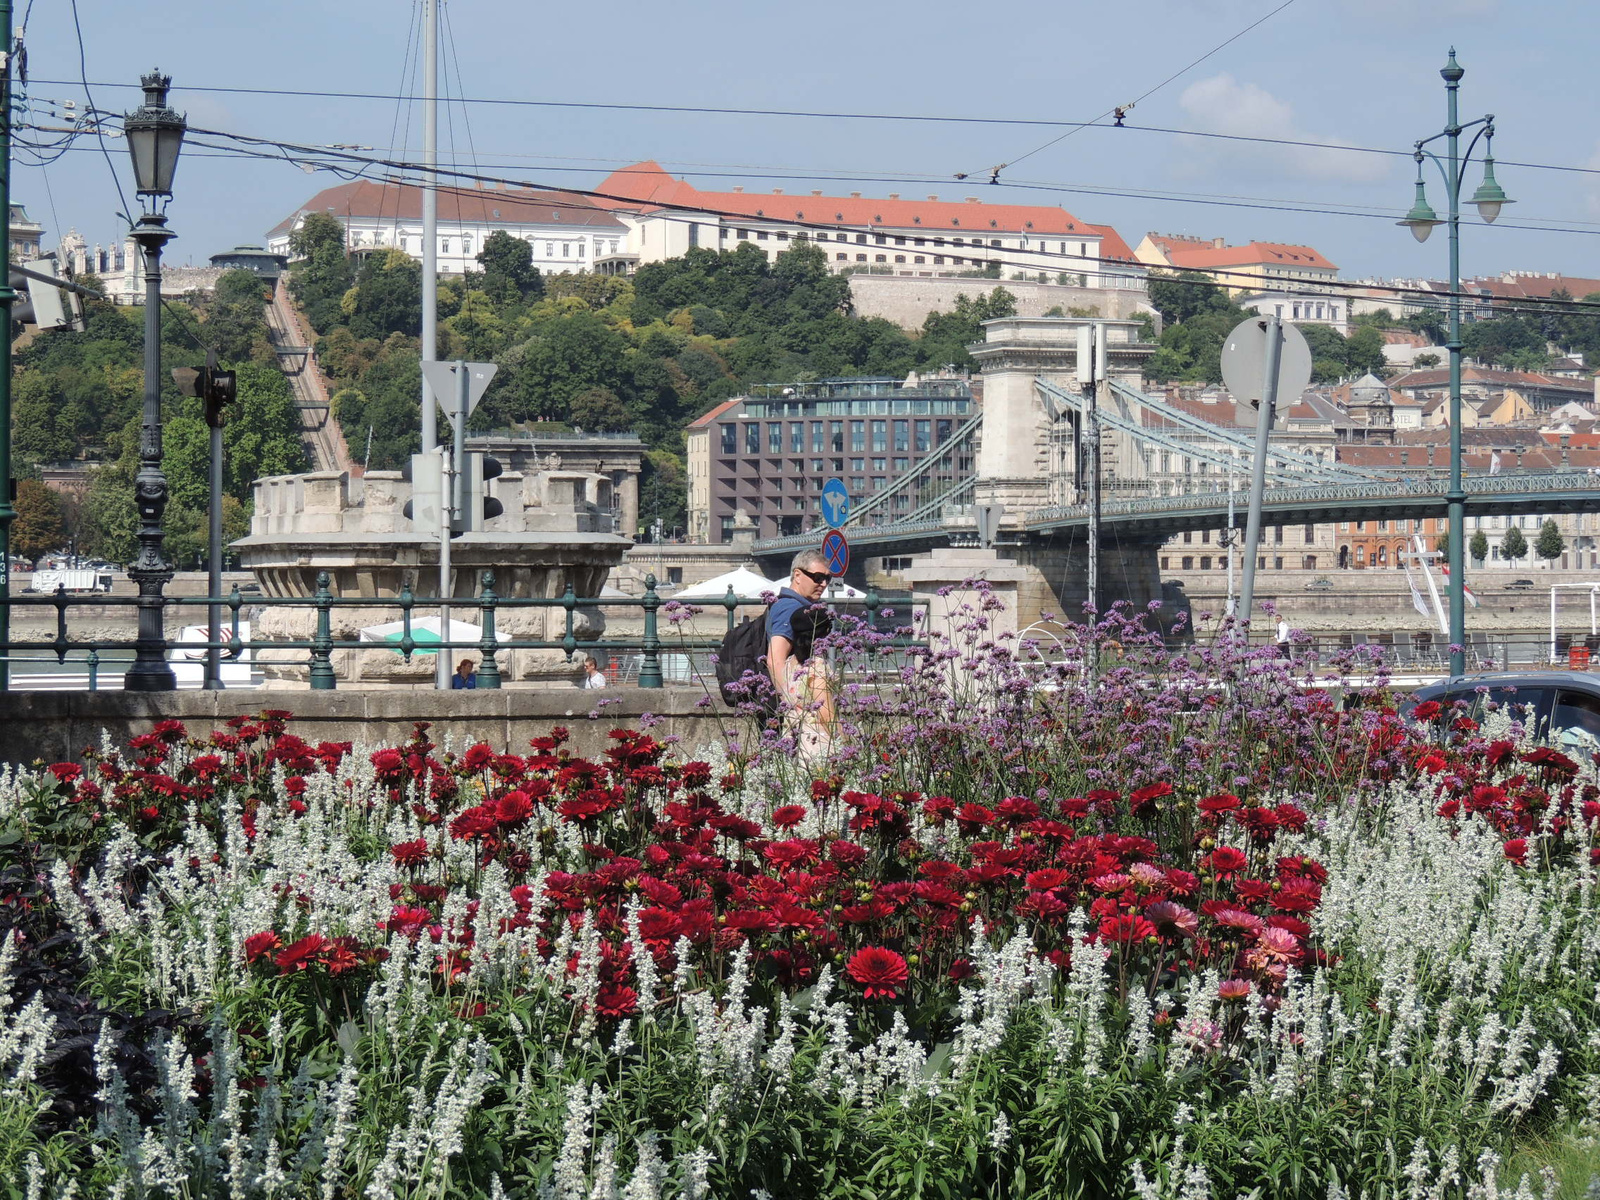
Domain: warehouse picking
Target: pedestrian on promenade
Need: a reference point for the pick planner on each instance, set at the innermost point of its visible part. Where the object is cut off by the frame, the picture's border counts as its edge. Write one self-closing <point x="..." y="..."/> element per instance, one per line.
<point x="466" y="676"/>
<point x="1283" y="638"/>
<point x="794" y="623"/>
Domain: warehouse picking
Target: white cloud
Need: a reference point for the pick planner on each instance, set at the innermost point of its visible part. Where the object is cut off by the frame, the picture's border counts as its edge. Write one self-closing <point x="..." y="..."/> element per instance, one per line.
<point x="1221" y="104"/>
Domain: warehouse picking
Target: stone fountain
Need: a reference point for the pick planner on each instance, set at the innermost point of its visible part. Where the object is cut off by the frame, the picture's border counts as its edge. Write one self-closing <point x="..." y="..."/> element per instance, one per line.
<point x="557" y="530"/>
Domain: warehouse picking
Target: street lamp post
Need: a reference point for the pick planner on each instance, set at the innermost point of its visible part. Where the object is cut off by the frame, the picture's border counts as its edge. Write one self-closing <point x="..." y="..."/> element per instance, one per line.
<point x="155" y="135"/>
<point x="1489" y="200"/>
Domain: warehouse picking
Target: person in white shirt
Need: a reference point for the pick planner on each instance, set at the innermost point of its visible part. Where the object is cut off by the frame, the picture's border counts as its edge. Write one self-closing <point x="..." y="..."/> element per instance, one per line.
<point x="1283" y="637"/>
<point x="592" y="675"/>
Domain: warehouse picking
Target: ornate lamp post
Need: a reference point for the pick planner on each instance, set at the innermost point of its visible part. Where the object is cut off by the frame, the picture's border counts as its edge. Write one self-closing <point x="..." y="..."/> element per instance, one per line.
<point x="155" y="135"/>
<point x="1489" y="200"/>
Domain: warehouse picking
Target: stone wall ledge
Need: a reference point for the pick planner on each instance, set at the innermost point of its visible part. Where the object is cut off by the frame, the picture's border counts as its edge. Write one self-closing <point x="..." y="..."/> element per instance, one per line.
<point x="58" y="726"/>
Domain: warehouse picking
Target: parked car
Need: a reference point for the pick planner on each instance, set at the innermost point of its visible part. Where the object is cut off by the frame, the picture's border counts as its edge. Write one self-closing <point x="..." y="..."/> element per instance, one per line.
<point x="1562" y="706"/>
<point x="1320" y="584"/>
<point x="1520" y="584"/>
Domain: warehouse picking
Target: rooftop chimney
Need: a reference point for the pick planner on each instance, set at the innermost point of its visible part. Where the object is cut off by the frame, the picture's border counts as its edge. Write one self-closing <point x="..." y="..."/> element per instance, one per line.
<point x="855" y="195"/>
<point x="1218" y="243"/>
<point x="894" y="195"/>
<point x="1596" y="386"/>
<point x="777" y="191"/>
<point x="973" y="200"/>
<point x="738" y="188"/>
<point x="816" y="191"/>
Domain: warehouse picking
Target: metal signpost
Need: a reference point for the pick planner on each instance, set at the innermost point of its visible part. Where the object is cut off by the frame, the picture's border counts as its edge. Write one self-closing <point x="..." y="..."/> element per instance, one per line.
<point x="1263" y="358"/>
<point x="1091" y="369"/>
<point x="466" y="382"/>
<point x="989" y="523"/>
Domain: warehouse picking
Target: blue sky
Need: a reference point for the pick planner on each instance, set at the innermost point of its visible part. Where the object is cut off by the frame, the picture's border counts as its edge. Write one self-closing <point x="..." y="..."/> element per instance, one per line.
<point x="1354" y="72"/>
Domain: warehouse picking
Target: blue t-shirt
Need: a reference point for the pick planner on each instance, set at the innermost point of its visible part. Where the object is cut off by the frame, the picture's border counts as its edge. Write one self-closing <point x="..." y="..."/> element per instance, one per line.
<point x="470" y="683"/>
<point x="780" y="617"/>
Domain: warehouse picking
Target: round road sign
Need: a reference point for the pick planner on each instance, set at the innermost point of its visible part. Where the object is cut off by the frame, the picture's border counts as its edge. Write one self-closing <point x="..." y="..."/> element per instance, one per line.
<point x="835" y="503"/>
<point x="837" y="553"/>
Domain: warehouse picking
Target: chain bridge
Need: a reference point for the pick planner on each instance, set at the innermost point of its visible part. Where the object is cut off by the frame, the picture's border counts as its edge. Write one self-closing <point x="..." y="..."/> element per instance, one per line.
<point x="1029" y="449"/>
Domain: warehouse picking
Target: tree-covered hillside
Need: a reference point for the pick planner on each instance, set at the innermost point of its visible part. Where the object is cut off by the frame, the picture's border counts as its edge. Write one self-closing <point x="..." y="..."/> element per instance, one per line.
<point x="647" y="354"/>
<point x="78" y="396"/>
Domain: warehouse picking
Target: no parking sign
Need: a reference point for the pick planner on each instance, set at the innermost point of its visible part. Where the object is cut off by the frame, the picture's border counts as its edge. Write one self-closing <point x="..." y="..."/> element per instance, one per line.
<point x="836" y="551"/>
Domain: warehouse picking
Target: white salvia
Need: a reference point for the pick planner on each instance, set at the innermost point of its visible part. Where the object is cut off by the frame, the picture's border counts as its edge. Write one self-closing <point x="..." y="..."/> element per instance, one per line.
<point x="605" y="1170"/>
<point x="646" y="979"/>
<point x="697" y="1167"/>
<point x="649" y="1177"/>
<point x="35" y="1171"/>
<point x="999" y="1132"/>
<point x="571" y="1173"/>
<point x="1141" y="1037"/>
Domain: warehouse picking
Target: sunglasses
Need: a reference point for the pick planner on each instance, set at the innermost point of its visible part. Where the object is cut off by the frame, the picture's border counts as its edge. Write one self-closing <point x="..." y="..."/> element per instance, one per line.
<point x="817" y="576"/>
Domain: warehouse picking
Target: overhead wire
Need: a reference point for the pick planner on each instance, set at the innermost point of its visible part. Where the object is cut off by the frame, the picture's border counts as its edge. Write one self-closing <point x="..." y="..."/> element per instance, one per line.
<point x="1118" y="110"/>
<point x="83" y="71"/>
<point x="933" y="118"/>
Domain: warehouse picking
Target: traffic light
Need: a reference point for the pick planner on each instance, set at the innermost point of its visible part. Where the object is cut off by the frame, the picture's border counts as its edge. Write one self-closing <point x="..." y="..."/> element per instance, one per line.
<point x="38" y="303"/>
<point x="215" y="387"/>
<point x="422" y="510"/>
<point x="477" y="507"/>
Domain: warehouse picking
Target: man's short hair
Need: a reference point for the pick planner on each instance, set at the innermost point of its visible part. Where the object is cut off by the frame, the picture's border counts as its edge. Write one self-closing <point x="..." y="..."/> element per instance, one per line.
<point x="813" y="560"/>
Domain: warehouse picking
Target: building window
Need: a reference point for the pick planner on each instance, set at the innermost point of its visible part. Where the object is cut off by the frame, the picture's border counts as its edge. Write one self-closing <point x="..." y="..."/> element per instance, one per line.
<point x="880" y="437"/>
<point x="1188" y="536"/>
<point x="1188" y="561"/>
<point x="1205" y="562"/>
<point x="444" y="246"/>
<point x="730" y="439"/>
<point x="1164" y="562"/>
<point x="727" y="529"/>
<point x="549" y="249"/>
<point x="861" y="258"/>
<point x="899" y="258"/>
<point x="879" y="240"/>
<point x="566" y="249"/>
<point x="841" y="257"/>
<point x="861" y="239"/>
<point x="1308" y="563"/>
<point x="466" y="245"/>
<point x="924" y="437"/>
<point x="1310" y="535"/>
<point x="836" y="436"/>
<point x="880" y="258"/>
<point x="752" y="438"/>
<point x="1277" y="562"/>
<point x="902" y="436"/>
<point x="818" y="444"/>
<point x="674" y="574"/>
<point x="797" y="438"/>
<point x="775" y="438"/>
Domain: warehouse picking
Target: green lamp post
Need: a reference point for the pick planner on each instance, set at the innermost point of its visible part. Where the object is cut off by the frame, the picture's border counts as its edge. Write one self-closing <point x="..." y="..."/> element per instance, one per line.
<point x="1489" y="199"/>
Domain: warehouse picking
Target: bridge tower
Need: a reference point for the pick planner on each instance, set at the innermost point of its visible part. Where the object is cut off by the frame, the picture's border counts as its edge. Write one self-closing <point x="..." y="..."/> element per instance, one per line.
<point x="1027" y="456"/>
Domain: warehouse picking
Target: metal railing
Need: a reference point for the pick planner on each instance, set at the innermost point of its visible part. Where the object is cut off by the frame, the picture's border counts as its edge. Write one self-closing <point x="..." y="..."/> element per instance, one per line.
<point x="322" y="644"/>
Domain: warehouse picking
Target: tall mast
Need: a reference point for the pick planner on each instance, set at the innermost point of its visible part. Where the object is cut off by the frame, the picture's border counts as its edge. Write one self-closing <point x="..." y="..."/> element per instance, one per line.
<point x="430" y="214"/>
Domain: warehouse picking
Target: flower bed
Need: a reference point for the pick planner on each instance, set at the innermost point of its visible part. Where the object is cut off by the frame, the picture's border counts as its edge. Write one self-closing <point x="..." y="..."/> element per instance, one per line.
<point x="1127" y="936"/>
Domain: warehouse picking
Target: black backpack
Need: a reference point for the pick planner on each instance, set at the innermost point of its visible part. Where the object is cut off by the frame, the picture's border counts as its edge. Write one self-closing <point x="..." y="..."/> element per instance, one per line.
<point x="743" y="648"/>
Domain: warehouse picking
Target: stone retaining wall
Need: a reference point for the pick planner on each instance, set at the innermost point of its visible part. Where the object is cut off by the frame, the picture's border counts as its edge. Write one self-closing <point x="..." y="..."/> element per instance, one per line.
<point x="58" y="726"/>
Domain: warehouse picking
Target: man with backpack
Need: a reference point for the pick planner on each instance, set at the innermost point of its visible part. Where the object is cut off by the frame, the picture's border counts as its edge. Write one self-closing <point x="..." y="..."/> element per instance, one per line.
<point x="784" y="640"/>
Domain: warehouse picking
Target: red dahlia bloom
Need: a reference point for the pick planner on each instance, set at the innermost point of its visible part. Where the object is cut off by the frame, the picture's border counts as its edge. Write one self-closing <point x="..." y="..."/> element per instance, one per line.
<point x="1126" y="929"/>
<point x="302" y="954"/>
<point x="258" y="945"/>
<point x="1222" y="802"/>
<point x="881" y="972"/>
<point x="788" y="816"/>
<point x="1225" y="862"/>
<point x="1517" y="851"/>
<point x="513" y="807"/>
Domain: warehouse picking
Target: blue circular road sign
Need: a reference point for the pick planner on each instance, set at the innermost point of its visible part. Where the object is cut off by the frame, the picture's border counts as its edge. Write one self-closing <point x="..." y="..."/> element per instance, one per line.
<point x="837" y="553"/>
<point x="835" y="503"/>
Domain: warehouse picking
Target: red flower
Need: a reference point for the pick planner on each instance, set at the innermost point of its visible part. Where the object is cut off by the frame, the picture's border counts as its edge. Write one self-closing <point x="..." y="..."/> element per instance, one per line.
<point x="409" y="854"/>
<point x="1222" y="802"/>
<point x="1126" y="929"/>
<point x="1236" y="989"/>
<point x="1517" y="851"/>
<point x="971" y="818"/>
<point x="1143" y="800"/>
<point x="474" y="821"/>
<point x="514" y="807"/>
<point x="1224" y="862"/>
<point x="789" y="816"/>
<point x="259" y="945"/>
<point x="615" y="1001"/>
<point x="1427" y="710"/>
<point x="66" y="772"/>
<point x="302" y="954"/>
<point x="880" y="971"/>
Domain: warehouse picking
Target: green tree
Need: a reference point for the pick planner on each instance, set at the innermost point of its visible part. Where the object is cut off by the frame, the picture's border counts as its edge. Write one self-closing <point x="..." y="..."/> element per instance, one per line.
<point x="1364" y="351"/>
<point x="1330" y="352"/>
<point x="1549" y="545"/>
<point x="39" y="525"/>
<point x="1513" y="546"/>
<point x="1423" y="362"/>
<point x="1496" y="341"/>
<point x="663" y="492"/>
<point x="1479" y="546"/>
<point x="600" y="410"/>
<point x="1430" y="323"/>
<point x="1186" y="295"/>
<point x="322" y="274"/>
<point x="387" y="297"/>
<point x="508" y="271"/>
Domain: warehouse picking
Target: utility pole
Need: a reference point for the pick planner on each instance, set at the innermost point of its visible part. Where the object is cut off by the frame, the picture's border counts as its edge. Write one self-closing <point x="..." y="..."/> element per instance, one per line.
<point x="1258" y="474"/>
<point x="430" y="215"/>
<point x="1091" y="367"/>
<point x="1231" y="536"/>
<point x="8" y="514"/>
